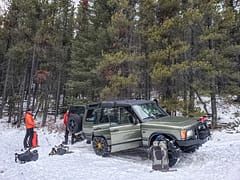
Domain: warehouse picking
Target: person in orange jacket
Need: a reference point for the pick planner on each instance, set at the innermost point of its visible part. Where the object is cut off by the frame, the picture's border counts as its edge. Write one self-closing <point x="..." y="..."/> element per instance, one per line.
<point x="65" y="119"/>
<point x="30" y="125"/>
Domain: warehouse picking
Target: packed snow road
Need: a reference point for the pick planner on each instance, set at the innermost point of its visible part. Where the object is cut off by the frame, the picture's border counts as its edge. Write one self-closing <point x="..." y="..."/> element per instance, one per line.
<point x="219" y="158"/>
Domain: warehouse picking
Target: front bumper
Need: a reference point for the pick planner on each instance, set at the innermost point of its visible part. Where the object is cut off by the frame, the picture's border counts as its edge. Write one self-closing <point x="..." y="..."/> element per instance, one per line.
<point x="201" y="136"/>
<point x="191" y="142"/>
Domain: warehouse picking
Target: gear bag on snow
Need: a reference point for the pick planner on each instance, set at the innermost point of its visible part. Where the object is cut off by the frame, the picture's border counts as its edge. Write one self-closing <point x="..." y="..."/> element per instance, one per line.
<point x="26" y="156"/>
<point x="159" y="155"/>
<point x="60" y="150"/>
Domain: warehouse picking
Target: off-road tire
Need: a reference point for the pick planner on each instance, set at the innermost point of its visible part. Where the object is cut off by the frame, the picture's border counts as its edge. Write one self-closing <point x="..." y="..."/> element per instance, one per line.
<point x="100" y="146"/>
<point x="173" y="153"/>
<point x="74" y="123"/>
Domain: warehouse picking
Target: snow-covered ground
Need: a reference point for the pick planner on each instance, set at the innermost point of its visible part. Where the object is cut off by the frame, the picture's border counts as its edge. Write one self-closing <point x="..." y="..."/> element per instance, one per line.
<point x="217" y="159"/>
<point x="226" y="110"/>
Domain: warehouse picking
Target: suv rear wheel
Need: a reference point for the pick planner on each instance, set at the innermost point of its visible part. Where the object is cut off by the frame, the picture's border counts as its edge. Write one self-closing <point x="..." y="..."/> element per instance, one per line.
<point x="100" y="146"/>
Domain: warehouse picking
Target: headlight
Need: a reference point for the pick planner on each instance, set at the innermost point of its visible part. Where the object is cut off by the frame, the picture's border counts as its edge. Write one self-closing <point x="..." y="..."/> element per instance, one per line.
<point x="190" y="133"/>
<point x="186" y="134"/>
<point x="183" y="134"/>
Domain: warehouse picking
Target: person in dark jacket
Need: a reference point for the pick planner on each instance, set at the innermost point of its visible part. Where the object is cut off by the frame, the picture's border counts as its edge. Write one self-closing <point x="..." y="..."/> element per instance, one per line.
<point x="30" y="125"/>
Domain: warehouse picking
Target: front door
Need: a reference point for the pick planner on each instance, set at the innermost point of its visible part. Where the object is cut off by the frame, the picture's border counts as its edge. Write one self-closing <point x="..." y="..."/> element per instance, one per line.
<point x="124" y="131"/>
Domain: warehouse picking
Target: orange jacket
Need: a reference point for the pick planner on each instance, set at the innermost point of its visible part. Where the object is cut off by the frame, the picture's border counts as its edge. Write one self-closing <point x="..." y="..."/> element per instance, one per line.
<point x="29" y="120"/>
<point x="65" y="118"/>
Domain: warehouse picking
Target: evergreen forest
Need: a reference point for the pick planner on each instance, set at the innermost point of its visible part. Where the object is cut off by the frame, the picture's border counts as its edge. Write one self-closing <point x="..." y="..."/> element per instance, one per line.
<point x="54" y="53"/>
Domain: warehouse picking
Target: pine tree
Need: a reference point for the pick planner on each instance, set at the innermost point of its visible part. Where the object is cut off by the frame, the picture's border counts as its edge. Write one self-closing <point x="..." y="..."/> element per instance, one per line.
<point x="124" y="67"/>
<point x="90" y="41"/>
<point x="214" y="42"/>
<point x="21" y="23"/>
<point x="164" y="47"/>
<point x="229" y="82"/>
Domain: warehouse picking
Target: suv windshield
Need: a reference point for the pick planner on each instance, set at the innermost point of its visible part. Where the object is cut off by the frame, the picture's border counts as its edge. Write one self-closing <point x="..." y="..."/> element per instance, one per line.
<point x="148" y="111"/>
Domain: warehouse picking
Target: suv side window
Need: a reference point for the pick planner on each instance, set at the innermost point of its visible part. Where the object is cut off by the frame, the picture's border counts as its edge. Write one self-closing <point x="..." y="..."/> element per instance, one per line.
<point x="125" y="116"/>
<point x="108" y="115"/>
<point x="90" y="115"/>
<point x="116" y="116"/>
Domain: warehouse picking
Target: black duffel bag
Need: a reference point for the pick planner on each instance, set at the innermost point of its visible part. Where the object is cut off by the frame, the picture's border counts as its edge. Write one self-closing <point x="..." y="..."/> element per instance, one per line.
<point x="26" y="156"/>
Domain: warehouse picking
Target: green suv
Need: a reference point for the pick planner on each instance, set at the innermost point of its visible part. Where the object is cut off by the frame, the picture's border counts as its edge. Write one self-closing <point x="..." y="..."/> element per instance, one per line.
<point x="114" y="126"/>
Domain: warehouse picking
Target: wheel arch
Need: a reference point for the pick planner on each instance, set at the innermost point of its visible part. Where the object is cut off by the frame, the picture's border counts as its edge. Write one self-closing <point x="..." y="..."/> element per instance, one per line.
<point x="154" y="136"/>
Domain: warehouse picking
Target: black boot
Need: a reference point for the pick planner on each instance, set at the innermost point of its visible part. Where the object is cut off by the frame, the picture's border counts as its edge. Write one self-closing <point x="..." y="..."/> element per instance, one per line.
<point x="73" y="139"/>
<point x="66" y="140"/>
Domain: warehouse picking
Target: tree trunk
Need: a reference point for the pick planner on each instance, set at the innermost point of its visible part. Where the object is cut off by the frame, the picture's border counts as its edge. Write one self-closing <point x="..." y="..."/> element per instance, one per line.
<point x="31" y="77"/>
<point x="185" y="99"/>
<point x="45" y="109"/>
<point x="34" y="95"/>
<point x="191" y="100"/>
<point x="200" y="99"/>
<point x="214" y="105"/>
<point x="46" y="102"/>
<point x="4" y="96"/>
<point x="58" y="95"/>
<point x="21" y="93"/>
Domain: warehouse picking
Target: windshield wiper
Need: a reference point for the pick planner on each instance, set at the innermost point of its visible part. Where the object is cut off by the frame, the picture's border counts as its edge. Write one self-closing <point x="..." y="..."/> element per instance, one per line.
<point x="148" y="118"/>
<point x="160" y="115"/>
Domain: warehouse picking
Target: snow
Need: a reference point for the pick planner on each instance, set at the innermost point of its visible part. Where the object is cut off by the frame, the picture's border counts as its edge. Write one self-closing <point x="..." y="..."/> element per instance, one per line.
<point x="217" y="159"/>
<point x="226" y="112"/>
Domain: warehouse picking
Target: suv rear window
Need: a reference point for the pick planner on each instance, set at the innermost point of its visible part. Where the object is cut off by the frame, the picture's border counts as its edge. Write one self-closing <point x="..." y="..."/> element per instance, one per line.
<point x="77" y="110"/>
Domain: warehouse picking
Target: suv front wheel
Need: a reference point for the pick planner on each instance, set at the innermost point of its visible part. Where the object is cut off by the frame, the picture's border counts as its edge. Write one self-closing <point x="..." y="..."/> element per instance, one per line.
<point x="173" y="153"/>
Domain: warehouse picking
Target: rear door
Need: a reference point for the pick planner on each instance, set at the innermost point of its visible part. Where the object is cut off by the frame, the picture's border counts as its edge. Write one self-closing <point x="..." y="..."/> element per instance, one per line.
<point x="124" y="131"/>
<point x="88" y="120"/>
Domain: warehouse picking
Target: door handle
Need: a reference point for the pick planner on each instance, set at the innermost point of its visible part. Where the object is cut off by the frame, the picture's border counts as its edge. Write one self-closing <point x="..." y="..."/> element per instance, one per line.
<point x="115" y="130"/>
